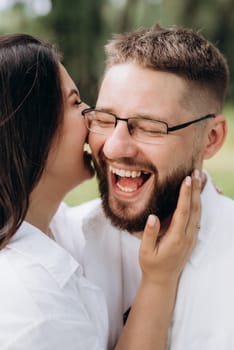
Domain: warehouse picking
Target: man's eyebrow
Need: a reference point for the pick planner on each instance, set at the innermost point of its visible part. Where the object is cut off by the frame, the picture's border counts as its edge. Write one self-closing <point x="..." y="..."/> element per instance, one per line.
<point x="72" y="92"/>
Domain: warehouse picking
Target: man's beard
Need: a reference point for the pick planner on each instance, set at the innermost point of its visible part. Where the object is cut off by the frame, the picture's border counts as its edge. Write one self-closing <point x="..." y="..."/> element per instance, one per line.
<point x="162" y="201"/>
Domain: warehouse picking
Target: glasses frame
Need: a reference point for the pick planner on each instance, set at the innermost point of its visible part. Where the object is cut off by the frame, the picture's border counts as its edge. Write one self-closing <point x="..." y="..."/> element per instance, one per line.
<point x="169" y="129"/>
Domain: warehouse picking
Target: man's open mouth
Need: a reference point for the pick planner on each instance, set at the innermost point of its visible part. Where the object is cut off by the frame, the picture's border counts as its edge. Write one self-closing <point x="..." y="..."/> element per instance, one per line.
<point x="128" y="181"/>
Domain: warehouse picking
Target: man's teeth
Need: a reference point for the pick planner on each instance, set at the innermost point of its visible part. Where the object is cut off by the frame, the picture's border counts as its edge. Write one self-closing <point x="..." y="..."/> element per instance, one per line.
<point x="125" y="173"/>
<point x="126" y="189"/>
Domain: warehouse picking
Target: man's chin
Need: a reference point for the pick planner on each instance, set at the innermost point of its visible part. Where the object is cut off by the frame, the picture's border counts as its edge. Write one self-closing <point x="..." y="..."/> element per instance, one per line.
<point x="125" y="218"/>
<point x="131" y="225"/>
<point x="162" y="200"/>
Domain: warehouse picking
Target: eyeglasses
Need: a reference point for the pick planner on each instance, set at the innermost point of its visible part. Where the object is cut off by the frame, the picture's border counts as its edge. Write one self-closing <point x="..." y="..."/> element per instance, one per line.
<point x="142" y="129"/>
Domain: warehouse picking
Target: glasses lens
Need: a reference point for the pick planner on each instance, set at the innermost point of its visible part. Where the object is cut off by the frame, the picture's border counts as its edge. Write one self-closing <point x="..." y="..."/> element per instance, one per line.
<point x="100" y="122"/>
<point x="147" y="131"/>
<point x="141" y="129"/>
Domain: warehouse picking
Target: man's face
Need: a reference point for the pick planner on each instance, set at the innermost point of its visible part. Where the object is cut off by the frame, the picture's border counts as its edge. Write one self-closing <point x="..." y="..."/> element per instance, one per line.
<point x="136" y="178"/>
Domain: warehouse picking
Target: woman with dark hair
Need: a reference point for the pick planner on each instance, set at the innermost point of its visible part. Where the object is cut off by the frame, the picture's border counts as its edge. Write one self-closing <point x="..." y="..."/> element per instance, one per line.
<point x="45" y="302"/>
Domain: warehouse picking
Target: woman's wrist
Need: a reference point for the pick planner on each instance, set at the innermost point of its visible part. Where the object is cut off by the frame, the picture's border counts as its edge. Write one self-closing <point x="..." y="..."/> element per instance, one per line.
<point x="163" y="282"/>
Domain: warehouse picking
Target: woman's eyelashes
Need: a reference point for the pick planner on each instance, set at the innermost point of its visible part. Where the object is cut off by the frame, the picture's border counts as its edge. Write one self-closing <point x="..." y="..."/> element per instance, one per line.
<point x="78" y="102"/>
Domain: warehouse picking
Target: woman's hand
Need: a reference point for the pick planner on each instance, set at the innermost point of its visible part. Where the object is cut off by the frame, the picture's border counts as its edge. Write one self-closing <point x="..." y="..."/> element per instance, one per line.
<point x="162" y="260"/>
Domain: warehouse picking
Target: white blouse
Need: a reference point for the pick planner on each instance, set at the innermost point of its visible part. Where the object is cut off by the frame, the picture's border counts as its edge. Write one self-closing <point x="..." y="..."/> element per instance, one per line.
<point x="45" y="302"/>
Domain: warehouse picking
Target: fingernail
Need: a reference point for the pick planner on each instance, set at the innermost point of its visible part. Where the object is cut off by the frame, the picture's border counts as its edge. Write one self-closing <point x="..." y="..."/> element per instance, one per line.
<point x="188" y="181"/>
<point x="197" y="174"/>
<point x="151" y="220"/>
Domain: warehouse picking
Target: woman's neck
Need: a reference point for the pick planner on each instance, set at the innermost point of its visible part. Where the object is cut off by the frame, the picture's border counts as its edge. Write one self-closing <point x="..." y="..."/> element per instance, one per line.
<point x="43" y="205"/>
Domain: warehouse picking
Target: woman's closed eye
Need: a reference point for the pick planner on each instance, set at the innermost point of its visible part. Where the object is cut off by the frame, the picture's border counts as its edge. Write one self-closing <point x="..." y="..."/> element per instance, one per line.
<point x="78" y="102"/>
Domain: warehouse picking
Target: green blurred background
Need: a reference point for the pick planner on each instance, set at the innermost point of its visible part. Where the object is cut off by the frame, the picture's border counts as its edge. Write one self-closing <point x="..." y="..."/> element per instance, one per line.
<point x="80" y="28"/>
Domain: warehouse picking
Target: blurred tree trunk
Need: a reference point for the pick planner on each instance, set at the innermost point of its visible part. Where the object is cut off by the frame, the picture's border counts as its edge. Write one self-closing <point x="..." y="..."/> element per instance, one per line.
<point x="189" y="12"/>
<point x="128" y="16"/>
<point x="78" y="29"/>
<point x="223" y="34"/>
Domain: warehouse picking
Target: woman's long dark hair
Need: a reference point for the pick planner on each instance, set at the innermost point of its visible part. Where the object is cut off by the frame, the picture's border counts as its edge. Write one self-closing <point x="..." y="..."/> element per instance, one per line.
<point x="30" y="114"/>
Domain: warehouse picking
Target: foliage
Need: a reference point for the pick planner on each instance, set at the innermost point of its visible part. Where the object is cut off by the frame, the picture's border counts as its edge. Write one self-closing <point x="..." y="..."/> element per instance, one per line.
<point x="78" y="29"/>
<point x="82" y="27"/>
<point x="215" y="19"/>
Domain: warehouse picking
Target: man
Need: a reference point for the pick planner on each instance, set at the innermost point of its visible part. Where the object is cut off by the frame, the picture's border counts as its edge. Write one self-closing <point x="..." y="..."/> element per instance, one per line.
<point x="158" y="116"/>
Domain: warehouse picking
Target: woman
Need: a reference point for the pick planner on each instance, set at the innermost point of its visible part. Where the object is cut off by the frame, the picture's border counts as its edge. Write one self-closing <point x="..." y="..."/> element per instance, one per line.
<point x="45" y="301"/>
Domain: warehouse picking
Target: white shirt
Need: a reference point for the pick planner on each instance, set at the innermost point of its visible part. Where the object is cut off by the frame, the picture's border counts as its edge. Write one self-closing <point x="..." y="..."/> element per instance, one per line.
<point x="204" y="311"/>
<point x="45" y="302"/>
<point x="109" y="257"/>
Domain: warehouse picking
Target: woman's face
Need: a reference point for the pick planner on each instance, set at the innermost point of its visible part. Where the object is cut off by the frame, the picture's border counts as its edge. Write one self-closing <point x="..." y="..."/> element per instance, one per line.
<point x="68" y="165"/>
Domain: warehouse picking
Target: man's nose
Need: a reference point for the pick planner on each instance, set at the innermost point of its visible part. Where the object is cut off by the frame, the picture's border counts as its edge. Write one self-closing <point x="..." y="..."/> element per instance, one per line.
<point x="120" y="143"/>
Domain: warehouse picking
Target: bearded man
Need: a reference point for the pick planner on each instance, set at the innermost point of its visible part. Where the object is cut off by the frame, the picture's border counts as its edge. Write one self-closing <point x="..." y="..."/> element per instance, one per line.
<point x="158" y="116"/>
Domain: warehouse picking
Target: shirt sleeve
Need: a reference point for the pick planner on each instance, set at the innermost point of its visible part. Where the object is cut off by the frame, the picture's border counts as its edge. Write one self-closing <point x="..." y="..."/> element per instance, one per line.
<point x="57" y="335"/>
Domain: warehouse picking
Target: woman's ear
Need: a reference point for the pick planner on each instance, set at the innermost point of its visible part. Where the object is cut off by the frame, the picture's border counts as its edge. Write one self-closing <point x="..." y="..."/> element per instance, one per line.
<point x="215" y="137"/>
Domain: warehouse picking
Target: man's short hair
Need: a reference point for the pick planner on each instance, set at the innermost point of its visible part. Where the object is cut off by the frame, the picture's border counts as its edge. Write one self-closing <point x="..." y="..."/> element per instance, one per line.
<point x="176" y="50"/>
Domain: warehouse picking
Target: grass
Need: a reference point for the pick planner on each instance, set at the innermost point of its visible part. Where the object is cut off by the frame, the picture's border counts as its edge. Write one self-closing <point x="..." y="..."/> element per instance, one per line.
<point x="220" y="167"/>
<point x="83" y="193"/>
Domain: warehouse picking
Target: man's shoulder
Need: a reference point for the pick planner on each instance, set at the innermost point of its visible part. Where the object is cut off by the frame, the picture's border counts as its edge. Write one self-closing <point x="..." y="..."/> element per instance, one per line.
<point x="227" y="206"/>
<point x="219" y="206"/>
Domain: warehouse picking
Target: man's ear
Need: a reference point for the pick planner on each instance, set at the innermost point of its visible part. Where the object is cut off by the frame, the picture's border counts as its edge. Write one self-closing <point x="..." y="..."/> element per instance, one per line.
<point x="215" y="137"/>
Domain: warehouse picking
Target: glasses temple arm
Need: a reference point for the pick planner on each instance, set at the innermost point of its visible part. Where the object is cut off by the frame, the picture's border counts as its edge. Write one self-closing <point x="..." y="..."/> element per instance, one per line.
<point x="184" y="125"/>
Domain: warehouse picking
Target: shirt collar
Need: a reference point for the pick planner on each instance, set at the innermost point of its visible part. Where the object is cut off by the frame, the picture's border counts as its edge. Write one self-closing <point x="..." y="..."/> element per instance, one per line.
<point x="33" y="243"/>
